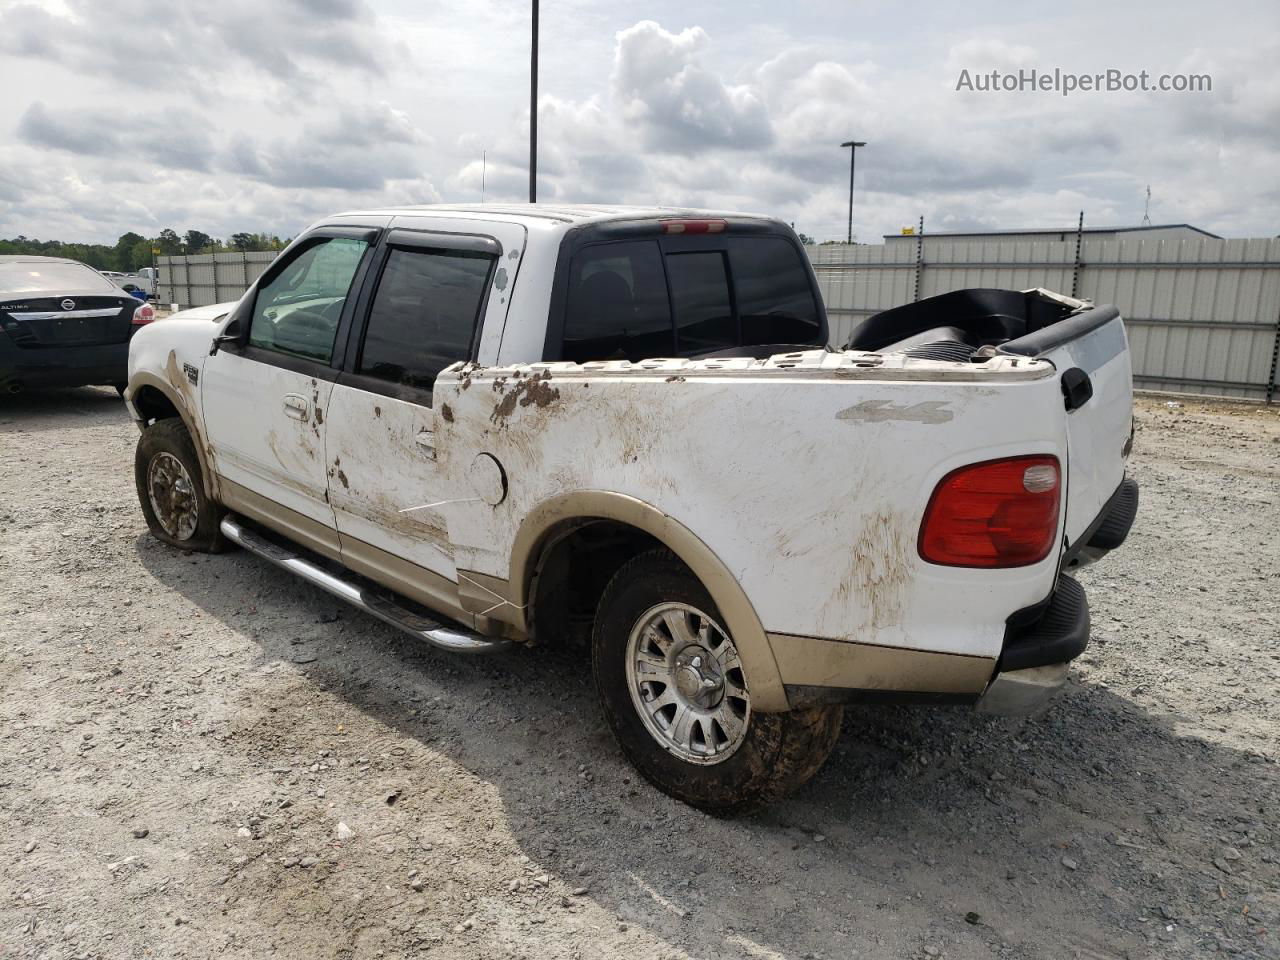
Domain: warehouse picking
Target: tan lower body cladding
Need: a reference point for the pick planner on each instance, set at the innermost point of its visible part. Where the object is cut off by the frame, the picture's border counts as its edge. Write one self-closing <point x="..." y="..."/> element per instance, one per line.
<point x="815" y="671"/>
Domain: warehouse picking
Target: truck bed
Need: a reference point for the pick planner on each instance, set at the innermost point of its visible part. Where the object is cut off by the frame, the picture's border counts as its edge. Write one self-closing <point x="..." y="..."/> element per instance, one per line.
<point x="811" y="471"/>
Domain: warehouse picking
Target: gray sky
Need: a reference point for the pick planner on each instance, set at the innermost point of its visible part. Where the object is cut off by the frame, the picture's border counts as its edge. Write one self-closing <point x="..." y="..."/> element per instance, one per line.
<point x="266" y="114"/>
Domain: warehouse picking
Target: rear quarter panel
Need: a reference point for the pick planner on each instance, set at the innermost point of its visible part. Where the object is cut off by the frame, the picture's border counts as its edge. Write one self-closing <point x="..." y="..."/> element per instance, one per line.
<point x="809" y="488"/>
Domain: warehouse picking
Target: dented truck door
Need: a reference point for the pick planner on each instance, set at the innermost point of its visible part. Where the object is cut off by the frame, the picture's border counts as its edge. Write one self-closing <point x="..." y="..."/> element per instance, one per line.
<point x="428" y="300"/>
<point x="265" y="394"/>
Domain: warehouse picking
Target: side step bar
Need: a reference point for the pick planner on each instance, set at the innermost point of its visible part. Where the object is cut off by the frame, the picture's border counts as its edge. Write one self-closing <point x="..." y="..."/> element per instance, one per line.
<point x="436" y="634"/>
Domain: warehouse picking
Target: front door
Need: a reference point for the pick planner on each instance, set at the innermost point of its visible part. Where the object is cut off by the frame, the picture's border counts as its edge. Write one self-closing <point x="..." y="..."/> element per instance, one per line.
<point x="265" y="397"/>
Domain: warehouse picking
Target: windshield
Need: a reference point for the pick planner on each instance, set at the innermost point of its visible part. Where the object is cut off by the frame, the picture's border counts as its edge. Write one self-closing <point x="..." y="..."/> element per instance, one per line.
<point x="39" y="276"/>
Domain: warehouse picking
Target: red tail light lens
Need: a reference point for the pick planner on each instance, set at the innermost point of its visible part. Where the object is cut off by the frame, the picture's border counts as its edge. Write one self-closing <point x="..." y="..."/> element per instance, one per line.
<point x="1002" y="513"/>
<point x="693" y="226"/>
<point x="145" y="313"/>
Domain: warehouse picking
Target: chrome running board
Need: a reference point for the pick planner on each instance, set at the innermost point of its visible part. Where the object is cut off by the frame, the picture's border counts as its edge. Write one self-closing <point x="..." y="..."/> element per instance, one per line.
<point x="457" y="640"/>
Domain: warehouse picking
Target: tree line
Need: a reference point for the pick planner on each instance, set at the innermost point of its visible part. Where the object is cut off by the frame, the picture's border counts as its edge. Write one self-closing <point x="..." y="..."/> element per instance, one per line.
<point x="133" y="250"/>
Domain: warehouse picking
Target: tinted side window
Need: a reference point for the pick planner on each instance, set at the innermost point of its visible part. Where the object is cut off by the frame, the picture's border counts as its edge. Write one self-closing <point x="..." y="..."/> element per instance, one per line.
<point x="775" y="300"/>
<point x="423" y="315"/>
<point x="617" y="304"/>
<point x="700" y="295"/>
<point x="297" y="312"/>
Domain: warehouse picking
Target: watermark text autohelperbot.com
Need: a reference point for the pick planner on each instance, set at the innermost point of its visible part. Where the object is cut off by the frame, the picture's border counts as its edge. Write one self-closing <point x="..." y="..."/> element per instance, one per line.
<point x="1064" y="82"/>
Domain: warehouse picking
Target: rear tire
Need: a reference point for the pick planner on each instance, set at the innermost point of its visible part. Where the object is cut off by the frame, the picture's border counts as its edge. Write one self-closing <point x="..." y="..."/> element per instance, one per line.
<point x="675" y="696"/>
<point x="166" y="471"/>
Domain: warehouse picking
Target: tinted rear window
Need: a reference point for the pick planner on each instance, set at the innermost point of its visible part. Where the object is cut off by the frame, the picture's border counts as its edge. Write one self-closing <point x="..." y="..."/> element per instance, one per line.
<point x="34" y="276"/>
<point x="726" y="293"/>
<point x="775" y="301"/>
<point x="617" y="307"/>
<point x="700" y="295"/>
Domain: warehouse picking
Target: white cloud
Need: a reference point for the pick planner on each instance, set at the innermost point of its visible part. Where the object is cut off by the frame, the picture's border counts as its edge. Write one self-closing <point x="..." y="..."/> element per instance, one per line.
<point x="244" y="115"/>
<point x="137" y="42"/>
<point x="659" y="84"/>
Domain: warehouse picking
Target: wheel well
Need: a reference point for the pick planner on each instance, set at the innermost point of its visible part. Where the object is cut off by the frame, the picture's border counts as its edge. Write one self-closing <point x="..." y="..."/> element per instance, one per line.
<point x="576" y="562"/>
<point x="153" y="405"/>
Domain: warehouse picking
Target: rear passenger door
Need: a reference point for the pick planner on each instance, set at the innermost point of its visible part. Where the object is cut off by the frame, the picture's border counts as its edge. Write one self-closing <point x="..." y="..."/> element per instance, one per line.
<point x="429" y="297"/>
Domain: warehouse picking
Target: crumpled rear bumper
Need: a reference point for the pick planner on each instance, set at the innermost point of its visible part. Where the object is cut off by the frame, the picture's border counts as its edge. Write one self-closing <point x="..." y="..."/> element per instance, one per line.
<point x="1041" y="641"/>
<point x="1020" y="693"/>
<point x="1033" y="664"/>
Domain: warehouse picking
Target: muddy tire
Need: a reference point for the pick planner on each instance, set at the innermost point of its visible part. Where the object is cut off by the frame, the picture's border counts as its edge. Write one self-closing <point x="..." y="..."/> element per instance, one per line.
<point x="674" y="693"/>
<point x="170" y="486"/>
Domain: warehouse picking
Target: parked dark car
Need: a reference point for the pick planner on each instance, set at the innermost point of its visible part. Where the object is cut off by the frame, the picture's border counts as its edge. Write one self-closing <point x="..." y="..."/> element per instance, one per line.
<point x="64" y="325"/>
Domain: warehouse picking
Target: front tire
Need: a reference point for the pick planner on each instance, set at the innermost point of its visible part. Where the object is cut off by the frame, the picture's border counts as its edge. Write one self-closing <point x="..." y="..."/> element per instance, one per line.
<point x="675" y="695"/>
<point x="166" y="471"/>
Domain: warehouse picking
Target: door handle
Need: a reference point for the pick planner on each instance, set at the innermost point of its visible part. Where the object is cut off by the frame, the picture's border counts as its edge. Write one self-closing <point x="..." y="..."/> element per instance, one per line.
<point x="427" y="441"/>
<point x="296" y="406"/>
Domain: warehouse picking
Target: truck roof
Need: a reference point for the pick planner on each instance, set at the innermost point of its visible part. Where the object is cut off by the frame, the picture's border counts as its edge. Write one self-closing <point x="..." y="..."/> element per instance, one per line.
<point x="568" y="214"/>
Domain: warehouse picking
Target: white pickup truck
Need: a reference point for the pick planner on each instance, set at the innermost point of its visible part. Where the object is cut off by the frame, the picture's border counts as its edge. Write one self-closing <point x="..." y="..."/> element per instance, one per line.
<point x="537" y="424"/>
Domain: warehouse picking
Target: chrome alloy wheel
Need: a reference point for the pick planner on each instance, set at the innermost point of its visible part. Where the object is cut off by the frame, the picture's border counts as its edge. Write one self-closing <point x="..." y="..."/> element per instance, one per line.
<point x="173" y="496"/>
<point x="687" y="684"/>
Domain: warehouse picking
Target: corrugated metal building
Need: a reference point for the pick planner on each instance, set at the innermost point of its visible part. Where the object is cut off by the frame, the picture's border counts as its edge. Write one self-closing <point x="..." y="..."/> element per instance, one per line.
<point x="1167" y="231"/>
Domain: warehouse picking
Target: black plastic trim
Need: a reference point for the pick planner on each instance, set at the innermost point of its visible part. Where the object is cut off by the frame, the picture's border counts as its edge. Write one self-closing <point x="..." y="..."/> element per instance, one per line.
<point x="444" y="240"/>
<point x="285" y="361"/>
<point x="1055" y="335"/>
<point x="1124" y="499"/>
<point x="1122" y="510"/>
<point x="1059" y="634"/>
<point x="1077" y="388"/>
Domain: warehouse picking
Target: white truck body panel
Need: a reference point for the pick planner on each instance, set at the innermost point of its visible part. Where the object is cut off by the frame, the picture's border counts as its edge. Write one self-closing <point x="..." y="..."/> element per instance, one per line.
<point x="820" y="530"/>
<point x="805" y="476"/>
<point x="1096" y="466"/>
<point x="281" y="456"/>
<point x="381" y="454"/>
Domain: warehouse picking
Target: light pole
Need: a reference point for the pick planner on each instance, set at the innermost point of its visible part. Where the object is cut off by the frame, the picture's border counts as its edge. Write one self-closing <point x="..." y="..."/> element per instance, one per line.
<point x="533" y="110"/>
<point x="853" y="146"/>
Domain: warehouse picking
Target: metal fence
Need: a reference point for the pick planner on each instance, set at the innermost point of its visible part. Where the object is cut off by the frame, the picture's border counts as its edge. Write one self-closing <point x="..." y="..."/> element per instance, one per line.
<point x="201" y="279"/>
<point x="1203" y="315"/>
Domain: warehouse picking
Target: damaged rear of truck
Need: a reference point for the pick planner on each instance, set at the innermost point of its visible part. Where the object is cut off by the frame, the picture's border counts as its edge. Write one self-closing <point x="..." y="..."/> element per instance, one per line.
<point x="890" y="526"/>
<point x="869" y="525"/>
<point x="747" y="533"/>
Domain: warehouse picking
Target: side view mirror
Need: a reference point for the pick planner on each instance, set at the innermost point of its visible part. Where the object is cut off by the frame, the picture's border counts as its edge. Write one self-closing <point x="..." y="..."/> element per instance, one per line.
<point x="231" y="334"/>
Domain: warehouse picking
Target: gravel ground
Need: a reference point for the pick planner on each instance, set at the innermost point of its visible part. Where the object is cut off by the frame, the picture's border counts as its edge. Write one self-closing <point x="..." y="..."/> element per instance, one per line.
<point x="200" y="756"/>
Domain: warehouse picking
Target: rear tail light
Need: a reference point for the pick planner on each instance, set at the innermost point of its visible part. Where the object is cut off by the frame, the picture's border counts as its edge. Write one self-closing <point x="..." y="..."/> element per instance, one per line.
<point x="145" y="313"/>
<point x="693" y="226"/>
<point x="1002" y="513"/>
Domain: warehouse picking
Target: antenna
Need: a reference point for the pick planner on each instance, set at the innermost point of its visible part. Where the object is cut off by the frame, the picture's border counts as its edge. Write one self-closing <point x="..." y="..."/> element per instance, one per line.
<point x="1146" y="212"/>
<point x="484" y="164"/>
